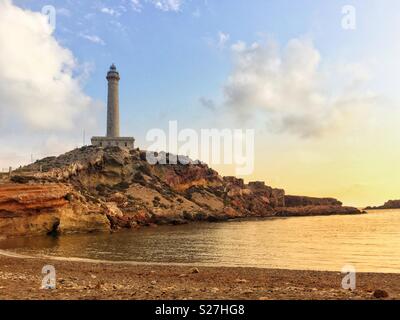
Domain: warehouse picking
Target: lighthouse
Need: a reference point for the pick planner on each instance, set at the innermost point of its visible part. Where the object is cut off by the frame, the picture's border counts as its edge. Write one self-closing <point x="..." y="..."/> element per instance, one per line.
<point x="113" y="102"/>
<point x="112" y="138"/>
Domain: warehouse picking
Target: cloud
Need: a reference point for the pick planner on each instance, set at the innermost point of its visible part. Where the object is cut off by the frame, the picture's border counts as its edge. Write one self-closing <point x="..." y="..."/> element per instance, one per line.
<point x="223" y="38"/>
<point x="136" y="5"/>
<point x="218" y="41"/>
<point x="207" y="103"/>
<point x="167" y="5"/>
<point x="110" y="11"/>
<point x="163" y="5"/>
<point x="93" y="38"/>
<point x="290" y="88"/>
<point x="116" y="11"/>
<point x="40" y="84"/>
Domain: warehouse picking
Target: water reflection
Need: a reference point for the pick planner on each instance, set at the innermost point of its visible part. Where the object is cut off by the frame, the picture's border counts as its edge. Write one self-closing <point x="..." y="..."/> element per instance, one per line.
<point x="369" y="242"/>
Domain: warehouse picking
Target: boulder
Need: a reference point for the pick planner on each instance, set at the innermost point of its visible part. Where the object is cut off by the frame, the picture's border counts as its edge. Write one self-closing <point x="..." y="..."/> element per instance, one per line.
<point x="380" y="294"/>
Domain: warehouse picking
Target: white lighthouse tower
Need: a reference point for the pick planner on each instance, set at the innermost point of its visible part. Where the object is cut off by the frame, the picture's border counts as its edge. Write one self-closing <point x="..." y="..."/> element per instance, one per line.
<point x="113" y="102"/>
<point x="112" y="138"/>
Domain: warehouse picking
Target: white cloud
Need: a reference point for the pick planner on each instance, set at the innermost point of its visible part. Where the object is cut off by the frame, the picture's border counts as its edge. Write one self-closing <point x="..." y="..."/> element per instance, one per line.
<point x="223" y="38"/>
<point x="289" y="87"/>
<point x="92" y="38"/>
<point x="163" y="5"/>
<point x="110" y="11"/>
<point x="40" y="91"/>
<point x="239" y="46"/>
<point x="218" y="41"/>
<point x="136" y="5"/>
<point x="167" y="5"/>
<point x="118" y="10"/>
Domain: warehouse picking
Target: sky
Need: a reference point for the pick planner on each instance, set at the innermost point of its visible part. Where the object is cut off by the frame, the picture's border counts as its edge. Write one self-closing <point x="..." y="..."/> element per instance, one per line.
<point x="322" y="98"/>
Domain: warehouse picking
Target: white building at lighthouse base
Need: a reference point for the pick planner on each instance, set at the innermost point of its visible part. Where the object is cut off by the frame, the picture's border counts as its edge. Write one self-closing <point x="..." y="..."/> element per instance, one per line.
<point x="122" y="142"/>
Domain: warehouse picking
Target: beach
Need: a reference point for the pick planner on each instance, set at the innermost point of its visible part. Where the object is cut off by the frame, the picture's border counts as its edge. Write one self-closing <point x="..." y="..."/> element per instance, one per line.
<point x="21" y="278"/>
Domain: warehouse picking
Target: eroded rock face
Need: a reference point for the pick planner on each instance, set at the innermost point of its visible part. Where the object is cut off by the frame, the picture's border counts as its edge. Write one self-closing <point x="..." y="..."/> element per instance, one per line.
<point x="95" y="189"/>
<point x="18" y="199"/>
<point x="33" y="209"/>
<point x="81" y="219"/>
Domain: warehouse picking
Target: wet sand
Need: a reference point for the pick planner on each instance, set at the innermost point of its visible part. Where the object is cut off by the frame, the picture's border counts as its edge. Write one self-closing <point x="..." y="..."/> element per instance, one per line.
<point x="21" y="278"/>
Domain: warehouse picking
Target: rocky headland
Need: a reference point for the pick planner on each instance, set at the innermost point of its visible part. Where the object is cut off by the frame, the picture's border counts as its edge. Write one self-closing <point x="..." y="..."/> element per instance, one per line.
<point x="95" y="189"/>
<point x="391" y="204"/>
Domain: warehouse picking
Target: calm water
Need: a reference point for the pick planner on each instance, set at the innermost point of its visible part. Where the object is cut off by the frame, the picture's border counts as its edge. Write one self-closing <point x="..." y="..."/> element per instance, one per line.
<point x="370" y="242"/>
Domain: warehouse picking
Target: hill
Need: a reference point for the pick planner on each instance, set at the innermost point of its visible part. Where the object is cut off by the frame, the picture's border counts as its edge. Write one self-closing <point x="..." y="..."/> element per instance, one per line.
<point x="95" y="189"/>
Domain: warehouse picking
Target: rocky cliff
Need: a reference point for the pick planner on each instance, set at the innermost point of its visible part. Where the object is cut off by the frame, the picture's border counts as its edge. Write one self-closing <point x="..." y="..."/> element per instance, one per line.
<point x="95" y="189"/>
<point x="32" y="209"/>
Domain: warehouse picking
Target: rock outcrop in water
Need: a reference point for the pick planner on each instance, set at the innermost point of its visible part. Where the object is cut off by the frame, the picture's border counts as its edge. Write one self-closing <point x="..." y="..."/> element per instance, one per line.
<point x="300" y="201"/>
<point x="391" y="204"/>
<point x="95" y="189"/>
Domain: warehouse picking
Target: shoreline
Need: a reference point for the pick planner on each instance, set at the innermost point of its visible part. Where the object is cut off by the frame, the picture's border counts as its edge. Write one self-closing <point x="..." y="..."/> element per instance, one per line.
<point x="154" y="225"/>
<point x="8" y="253"/>
<point x="20" y="278"/>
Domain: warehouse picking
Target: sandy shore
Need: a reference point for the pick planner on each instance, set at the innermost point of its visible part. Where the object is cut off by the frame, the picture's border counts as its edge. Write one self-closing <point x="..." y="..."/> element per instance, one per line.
<point x="21" y="278"/>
